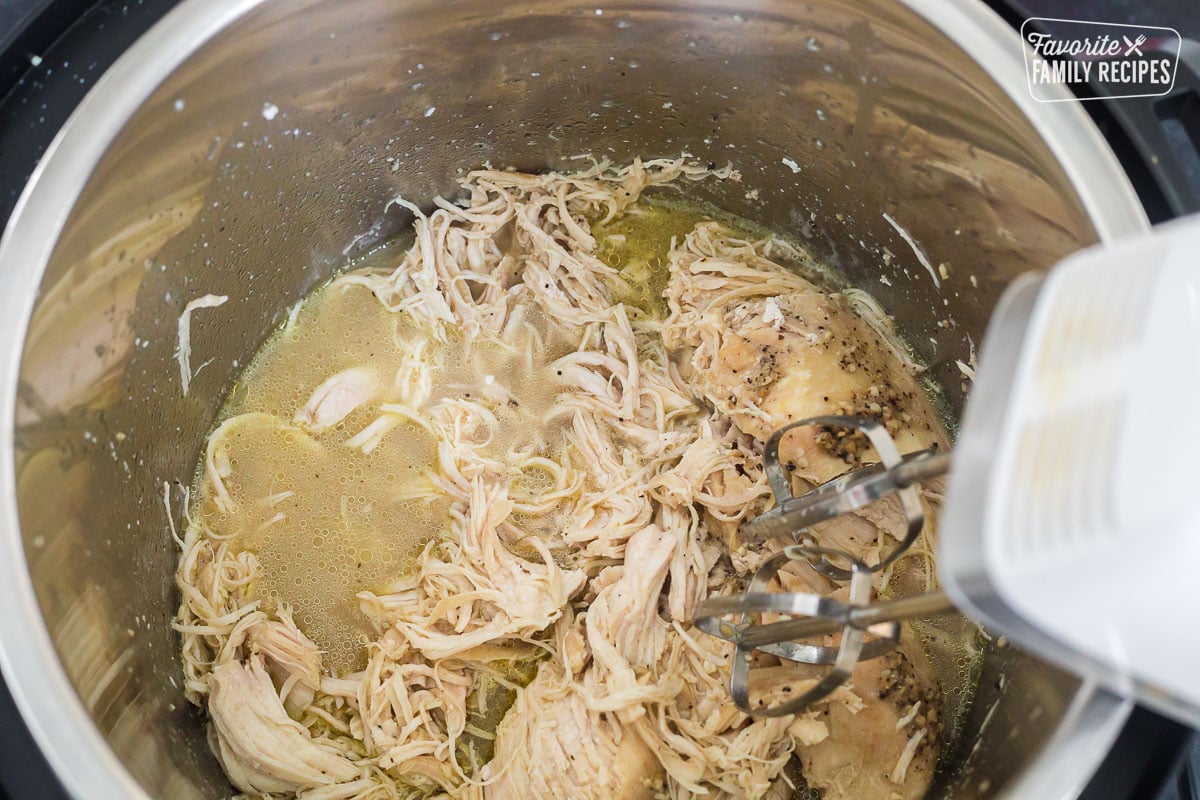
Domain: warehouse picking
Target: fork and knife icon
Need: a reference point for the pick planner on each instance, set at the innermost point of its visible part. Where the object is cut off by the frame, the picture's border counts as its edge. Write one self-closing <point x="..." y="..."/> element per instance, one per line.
<point x="1134" y="46"/>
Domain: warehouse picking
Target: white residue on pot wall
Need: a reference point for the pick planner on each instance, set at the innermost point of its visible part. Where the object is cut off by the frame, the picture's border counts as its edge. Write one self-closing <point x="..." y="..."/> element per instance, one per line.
<point x="920" y="254"/>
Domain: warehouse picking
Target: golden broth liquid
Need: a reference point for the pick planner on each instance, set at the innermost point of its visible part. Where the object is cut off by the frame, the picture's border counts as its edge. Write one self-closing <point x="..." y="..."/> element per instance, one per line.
<point x="637" y="243"/>
<point x="327" y="520"/>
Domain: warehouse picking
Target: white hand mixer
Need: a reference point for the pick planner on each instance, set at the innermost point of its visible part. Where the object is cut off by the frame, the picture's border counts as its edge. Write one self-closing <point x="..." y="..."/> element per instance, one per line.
<point x="1071" y="522"/>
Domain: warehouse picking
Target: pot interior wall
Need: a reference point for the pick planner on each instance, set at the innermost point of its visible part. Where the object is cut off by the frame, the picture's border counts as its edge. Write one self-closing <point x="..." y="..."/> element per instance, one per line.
<point x="270" y="154"/>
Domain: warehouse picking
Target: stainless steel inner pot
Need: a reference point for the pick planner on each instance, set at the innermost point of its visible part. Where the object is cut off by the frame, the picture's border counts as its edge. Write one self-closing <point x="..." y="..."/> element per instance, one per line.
<point x="245" y="147"/>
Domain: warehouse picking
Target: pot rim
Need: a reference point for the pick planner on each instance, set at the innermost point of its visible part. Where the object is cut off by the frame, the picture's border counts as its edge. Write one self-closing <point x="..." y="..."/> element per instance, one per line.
<point x="49" y="703"/>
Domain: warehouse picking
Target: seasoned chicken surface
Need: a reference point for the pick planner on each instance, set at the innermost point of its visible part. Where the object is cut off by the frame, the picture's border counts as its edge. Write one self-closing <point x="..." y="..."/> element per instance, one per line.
<point x="889" y="746"/>
<point x="452" y="529"/>
<point x="767" y="347"/>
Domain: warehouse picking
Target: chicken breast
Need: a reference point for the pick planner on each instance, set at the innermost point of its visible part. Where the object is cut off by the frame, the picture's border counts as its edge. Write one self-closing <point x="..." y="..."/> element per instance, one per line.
<point x="767" y="347"/>
<point x="890" y="746"/>
<point x="877" y="737"/>
<point x="262" y="749"/>
<point x="879" y="734"/>
<point x="550" y="746"/>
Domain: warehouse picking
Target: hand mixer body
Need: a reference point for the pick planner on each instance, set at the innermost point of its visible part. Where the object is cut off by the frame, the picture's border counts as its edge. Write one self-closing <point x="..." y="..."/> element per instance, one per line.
<point x="1072" y="518"/>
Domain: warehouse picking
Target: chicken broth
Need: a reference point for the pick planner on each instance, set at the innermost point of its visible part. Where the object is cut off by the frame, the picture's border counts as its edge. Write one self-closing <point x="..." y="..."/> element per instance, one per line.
<point x="636" y="245"/>
<point x="344" y="506"/>
<point x="457" y="514"/>
<point x="638" y="242"/>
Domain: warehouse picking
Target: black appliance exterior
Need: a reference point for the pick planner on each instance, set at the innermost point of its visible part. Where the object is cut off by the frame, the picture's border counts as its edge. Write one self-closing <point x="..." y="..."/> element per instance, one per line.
<point x="52" y="51"/>
<point x="1157" y="139"/>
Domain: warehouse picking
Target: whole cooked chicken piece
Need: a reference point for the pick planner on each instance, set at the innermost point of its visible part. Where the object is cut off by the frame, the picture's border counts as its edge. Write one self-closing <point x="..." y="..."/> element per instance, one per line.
<point x="262" y="749"/>
<point x="767" y="347"/>
<point x="550" y="746"/>
<point x="883" y="746"/>
<point x="890" y="747"/>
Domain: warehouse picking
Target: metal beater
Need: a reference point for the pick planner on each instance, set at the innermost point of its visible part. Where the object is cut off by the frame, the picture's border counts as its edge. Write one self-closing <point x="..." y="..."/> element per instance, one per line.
<point x="813" y="615"/>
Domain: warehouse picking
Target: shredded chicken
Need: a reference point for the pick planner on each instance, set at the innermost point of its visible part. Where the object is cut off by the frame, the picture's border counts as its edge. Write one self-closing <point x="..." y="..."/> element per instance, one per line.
<point x="475" y="591"/>
<point x="334" y="399"/>
<point x="292" y="659"/>
<point x="183" y="347"/>
<point x="594" y="462"/>
<point x="551" y="745"/>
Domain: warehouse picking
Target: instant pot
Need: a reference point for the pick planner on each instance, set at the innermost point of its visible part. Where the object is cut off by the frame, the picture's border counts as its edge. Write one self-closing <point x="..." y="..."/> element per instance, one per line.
<point x="249" y="147"/>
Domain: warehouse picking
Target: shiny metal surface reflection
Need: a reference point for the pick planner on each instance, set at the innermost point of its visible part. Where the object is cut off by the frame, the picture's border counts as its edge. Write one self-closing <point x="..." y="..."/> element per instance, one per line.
<point x="171" y="183"/>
